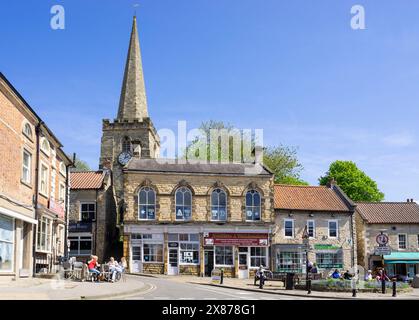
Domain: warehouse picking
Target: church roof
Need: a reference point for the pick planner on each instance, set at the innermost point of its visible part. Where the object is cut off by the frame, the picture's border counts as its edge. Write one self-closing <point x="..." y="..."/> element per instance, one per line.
<point x="133" y="100"/>
<point x="195" y="167"/>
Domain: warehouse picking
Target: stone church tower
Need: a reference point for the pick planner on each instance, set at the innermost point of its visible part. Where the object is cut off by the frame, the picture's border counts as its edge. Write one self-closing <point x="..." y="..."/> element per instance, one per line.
<point x="132" y="134"/>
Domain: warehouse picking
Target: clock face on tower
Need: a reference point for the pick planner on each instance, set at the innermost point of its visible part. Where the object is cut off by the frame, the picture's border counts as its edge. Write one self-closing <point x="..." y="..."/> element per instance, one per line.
<point x="124" y="157"/>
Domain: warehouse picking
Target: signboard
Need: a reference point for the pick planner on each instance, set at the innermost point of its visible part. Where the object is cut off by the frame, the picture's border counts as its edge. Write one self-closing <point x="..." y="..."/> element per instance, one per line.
<point x="216" y="276"/>
<point x="382" y="250"/>
<point x="237" y="239"/>
<point x="173" y="244"/>
<point x="326" y="247"/>
<point x="57" y="208"/>
<point x="382" y="239"/>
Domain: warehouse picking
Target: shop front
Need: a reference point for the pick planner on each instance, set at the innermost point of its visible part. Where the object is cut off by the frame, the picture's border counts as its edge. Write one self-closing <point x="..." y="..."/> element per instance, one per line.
<point x="238" y="254"/>
<point x="403" y="265"/>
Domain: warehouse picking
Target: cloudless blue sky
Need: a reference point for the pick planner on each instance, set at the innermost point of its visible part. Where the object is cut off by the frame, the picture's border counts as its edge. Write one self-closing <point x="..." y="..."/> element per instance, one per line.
<point x="293" y="68"/>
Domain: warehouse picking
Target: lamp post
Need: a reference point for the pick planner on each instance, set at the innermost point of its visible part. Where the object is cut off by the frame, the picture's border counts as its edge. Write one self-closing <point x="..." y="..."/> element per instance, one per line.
<point x="306" y="244"/>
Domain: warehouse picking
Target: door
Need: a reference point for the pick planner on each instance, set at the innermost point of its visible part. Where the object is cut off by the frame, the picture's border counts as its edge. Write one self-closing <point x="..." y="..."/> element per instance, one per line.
<point x="243" y="266"/>
<point x="137" y="264"/>
<point x="173" y="268"/>
<point x="209" y="262"/>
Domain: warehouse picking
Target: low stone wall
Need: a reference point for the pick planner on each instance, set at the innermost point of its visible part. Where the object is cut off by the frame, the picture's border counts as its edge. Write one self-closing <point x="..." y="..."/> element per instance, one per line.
<point x="153" y="268"/>
<point x="345" y="286"/>
<point x="189" y="270"/>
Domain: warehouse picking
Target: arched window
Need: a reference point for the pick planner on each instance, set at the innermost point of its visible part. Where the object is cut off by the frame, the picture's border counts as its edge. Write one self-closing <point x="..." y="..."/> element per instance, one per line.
<point x="183" y="199"/>
<point x="219" y="205"/>
<point x="45" y="146"/>
<point x="27" y="130"/>
<point x="252" y="205"/>
<point x="63" y="168"/>
<point x="147" y="204"/>
<point x="127" y="145"/>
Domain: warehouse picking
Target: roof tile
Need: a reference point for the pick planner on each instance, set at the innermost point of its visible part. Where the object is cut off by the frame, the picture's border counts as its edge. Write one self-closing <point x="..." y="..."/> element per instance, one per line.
<point x="86" y="180"/>
<point x="389" y="212"/>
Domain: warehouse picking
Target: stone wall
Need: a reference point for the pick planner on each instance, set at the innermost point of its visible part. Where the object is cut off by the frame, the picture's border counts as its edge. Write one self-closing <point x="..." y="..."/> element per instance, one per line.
<point x="201" y="186"/>
<point x="189" y="270"/>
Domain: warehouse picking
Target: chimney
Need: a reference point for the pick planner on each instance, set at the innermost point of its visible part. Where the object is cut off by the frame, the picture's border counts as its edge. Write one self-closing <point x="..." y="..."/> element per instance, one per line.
<point x="331" y="182"/>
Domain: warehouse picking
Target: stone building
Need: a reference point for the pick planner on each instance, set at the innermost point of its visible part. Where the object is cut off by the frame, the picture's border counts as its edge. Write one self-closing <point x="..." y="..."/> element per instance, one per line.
<point x="92" y="215"/>
<point x="327" y="215"/>
<point x="177" y="217"/>
<point x="399" y="222"/>
<point x="33" y="189"/>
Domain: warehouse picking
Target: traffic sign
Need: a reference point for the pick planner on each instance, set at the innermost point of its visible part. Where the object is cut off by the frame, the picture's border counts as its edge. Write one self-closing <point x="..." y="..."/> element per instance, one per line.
<point x="382" y="239"/>
<point x="382" y="250"/>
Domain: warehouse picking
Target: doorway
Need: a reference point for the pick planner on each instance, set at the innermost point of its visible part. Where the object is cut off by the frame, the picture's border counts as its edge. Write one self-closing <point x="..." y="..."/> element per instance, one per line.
<point x="137" y="264"/>
<point x="243" y="266"/>
<point x="173" y="268"/>
<point x="209" y="262"/>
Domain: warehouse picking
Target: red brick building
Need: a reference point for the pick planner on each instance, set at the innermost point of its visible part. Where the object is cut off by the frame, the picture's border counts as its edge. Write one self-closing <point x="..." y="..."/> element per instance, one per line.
<point x="33" y="189"/>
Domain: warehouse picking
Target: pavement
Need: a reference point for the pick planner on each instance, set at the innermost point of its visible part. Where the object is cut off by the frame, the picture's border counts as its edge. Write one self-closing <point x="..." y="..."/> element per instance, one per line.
<point x="163" y="287"/>
<point x="55" y="289"/>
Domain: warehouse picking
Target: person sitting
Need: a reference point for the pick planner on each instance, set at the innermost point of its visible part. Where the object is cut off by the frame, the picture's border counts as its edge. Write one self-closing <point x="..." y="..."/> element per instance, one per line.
<point x="123" y="264"/>
<point x="347" y="275"/>
<point x="114" y="268"/>
<point x="368" y="276"/>
<point x="92" y="265"/>
<point x="336" y="274"/>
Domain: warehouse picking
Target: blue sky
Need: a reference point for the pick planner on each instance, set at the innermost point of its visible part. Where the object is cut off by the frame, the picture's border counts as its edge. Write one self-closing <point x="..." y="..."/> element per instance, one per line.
<point x="293" y="68"/>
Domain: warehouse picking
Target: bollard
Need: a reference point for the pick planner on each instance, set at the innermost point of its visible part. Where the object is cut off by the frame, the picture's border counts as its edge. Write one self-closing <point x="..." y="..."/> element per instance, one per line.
<point x="383" y="286"/>
<point x="308" y="286"/>
<point x="394" y="288"/>
<point x="255" y="280"/>
<point x="354" y="293"/>
<point x="222" y="276"/>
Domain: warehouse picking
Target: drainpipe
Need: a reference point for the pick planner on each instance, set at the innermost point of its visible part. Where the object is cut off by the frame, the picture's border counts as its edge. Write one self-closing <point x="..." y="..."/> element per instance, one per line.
<point x="67" y="204"/>
<point x="35" y="197"/>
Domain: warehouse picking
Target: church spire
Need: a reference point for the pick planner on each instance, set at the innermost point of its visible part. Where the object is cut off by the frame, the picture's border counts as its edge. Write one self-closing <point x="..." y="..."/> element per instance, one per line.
<point x="133" y="101"/>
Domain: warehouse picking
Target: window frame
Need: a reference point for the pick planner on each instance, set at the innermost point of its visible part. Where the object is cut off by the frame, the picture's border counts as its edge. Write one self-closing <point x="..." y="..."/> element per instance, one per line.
<point x="224" y="256"/>
<point x="62" y="187"/>
<point x="183" y="205"/>
<point x="285" y="228"/>
<point x="29" y="134"/>
<point x="265" y="256"/>
<point x="405" y="241"/>
<point x="314" y="228"/>
<point x="337" y="229"/>
<point x="218" y="206"/>
<point x="47" y="247"/>
<point x="41" y="191"/>
<point x="147" y="204"/>
<point x="78" y="239"/>
<point x="63" y="169"/>
<point x="12" y="242"/>
<point x="81" y="211"/>
<point x="338" y="259"/>
<point x="153" y="244"/>
<point x="29" y="168"/>
<point x="46" y="151"/>
<point x="253" y="207"/>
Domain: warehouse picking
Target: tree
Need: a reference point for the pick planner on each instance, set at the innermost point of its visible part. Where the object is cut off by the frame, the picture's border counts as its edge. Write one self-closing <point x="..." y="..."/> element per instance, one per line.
<point x="284" y="163"/>
<point x="81" y="165"/>
<point x="353" y="181"/>
<point x="281" y="160"/>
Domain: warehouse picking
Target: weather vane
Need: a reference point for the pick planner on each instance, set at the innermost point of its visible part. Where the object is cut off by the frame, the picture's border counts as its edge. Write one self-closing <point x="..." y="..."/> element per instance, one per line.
<point x="136" y="5"/>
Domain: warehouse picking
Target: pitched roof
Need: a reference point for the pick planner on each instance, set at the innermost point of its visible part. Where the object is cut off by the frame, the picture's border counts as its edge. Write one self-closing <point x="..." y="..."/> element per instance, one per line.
<point x="308" y="198"/>
<point x="85" y="180"/>
<point x="389" y="212"/>
<point x="173" y="166"/>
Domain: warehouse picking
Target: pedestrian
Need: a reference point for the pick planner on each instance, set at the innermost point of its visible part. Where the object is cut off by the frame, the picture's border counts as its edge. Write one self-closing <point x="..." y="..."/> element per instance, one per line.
<point x="368" y="276"/>
<point x="123" y="264"/>
<point x="314" y="268"/>
<point x="336" y="274"/>
<point x="347" y="275"/>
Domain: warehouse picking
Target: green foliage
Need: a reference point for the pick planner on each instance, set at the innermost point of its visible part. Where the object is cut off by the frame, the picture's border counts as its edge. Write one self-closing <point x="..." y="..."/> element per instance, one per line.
<point x="353" y="181"/>
<point x="81" y="165"/>
<point x="284" y="164"/>
<point x="281" y="160"/>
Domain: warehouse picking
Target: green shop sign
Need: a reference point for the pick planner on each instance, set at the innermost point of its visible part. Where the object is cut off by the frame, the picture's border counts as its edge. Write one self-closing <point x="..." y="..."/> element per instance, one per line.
<point x="326" y="247"/>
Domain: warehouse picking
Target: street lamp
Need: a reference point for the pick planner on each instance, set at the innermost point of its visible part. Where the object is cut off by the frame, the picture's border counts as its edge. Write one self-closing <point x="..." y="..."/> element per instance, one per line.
<point x="306" y="244"/>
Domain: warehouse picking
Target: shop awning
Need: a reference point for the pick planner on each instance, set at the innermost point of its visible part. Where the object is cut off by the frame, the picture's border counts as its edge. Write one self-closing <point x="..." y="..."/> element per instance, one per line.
<point x="402" y="257"/>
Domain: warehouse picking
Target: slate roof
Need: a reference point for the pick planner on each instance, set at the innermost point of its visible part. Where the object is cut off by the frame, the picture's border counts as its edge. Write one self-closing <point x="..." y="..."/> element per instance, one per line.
<point x="86" y="180"/>
<point x="389" y="212"/>
<point x="195" y="167"/>
<point x="308" y="198"/>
